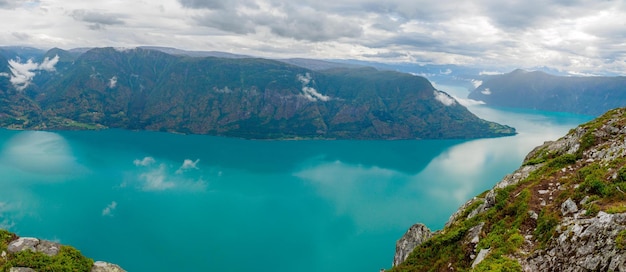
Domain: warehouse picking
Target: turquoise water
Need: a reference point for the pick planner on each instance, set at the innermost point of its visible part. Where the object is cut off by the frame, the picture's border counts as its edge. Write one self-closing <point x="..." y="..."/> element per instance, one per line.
<point x="167" y="202"/>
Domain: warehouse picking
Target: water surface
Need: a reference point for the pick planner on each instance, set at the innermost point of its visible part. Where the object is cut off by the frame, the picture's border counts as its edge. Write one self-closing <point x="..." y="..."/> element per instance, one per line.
<point x="167" y="202"/>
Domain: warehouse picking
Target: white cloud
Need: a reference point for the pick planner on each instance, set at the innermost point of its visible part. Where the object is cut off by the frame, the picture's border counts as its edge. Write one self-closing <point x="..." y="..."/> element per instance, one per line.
<point x="446" y="72"/>
<point x="113" y="82"/>
<point x="490" y="73"/>
<point x="146" y="161"/>
<point x="5" y="75"/>
<point x="486" y="91"/>
<point x="108" y="210"/>
<point x="310" y="93"/>
<point x="188" y="165"/>
<point x="579" y="36"/>
<point x="48" y="64"/>
<point x="466" y="102"/>
<point x="444" y="98"/>
<point x="23" y="73"/>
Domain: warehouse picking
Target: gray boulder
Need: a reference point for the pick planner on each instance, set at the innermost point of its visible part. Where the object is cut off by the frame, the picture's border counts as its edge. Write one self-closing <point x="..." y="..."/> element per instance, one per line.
<point x="106" y="267"/>
<point x="24" y="243"/>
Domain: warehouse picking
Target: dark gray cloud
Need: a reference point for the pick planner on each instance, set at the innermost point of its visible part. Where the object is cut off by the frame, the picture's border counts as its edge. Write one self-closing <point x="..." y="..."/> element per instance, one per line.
<point x="98" y="20"/>
<point x="576" y="35"/>
<point x="298" y="22"/>
<point x="209" y="4"/>
<point x="538" y="13"/>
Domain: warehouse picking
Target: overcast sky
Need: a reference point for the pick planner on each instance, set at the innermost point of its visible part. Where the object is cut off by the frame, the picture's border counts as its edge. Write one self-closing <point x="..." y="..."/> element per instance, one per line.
<point x="570" y="35"/>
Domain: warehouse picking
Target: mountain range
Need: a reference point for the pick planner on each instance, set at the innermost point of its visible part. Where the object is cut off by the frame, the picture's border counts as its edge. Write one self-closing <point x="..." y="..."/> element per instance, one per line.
<point x="215" y="93"/>
<point x="590" y="95"/>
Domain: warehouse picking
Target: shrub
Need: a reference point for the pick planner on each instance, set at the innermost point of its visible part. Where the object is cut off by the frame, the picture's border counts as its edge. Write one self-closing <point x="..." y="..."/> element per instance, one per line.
<point x="546" y="226"/>
<point x="494" y="263"/>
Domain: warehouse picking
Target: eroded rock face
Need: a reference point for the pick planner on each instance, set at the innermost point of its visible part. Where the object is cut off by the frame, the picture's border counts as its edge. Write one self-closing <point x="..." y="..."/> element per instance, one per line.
<point x="586" y="244"/>
<point x="415" y="236"/>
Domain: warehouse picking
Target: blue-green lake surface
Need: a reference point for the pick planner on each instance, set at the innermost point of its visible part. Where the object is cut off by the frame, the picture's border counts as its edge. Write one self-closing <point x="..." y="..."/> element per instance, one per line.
<point x="154" y="201"/>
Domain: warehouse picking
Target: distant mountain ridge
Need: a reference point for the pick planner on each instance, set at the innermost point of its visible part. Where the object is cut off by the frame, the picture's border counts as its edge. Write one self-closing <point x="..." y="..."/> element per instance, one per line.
<point x="143" y="88"/>
<point x="539" y="90"/>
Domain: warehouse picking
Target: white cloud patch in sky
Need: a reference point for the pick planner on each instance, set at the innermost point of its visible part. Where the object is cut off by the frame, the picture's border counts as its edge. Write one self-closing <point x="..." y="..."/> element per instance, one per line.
<point x="109" y="209"/>
<point x="154" y="176"/>
<point x="490" y="73"/>
<point x="308" y="92"/>
<point x="444" y="98"/>
<point x="486" y="91"/>
<point x="23" y="73"/>
<point x="578" y="36"/>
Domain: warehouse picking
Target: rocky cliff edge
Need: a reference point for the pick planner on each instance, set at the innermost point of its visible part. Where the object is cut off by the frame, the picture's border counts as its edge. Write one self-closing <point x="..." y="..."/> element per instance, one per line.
<point x="564" y="209"/>
<point x="25" y="254"/>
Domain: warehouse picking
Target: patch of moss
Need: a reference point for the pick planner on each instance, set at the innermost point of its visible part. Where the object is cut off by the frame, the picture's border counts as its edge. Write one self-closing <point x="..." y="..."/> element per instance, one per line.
<point x="620" y="240"/>
<point x="498" y="263"/>
<point x="546" y="226"/>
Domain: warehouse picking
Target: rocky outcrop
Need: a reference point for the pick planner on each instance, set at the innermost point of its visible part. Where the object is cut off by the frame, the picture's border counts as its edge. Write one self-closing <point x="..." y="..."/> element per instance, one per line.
<point x="583" y="244"/>
<point x="106" y="267"/>
<point x="51" y="249"/>
<point x="564" y="209"/>
<point x="414" y="237"/>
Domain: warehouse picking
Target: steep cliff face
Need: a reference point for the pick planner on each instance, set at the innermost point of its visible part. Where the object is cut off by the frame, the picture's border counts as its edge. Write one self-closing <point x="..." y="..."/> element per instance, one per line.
<point x="564" y="209"/>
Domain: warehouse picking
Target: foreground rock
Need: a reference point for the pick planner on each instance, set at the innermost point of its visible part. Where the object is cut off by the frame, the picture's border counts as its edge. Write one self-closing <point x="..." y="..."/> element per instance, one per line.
<point x="564" y="209"/>
<point x="48" y="248"/>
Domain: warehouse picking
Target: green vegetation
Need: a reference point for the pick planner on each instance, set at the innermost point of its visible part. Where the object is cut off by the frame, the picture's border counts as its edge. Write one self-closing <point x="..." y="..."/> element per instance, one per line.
<point x="546" y="226"/>
<point x="601" y="184"/>
<point x="498" y="263"/>
<point x="620" y="240"/>
<point x="68" y="258"/>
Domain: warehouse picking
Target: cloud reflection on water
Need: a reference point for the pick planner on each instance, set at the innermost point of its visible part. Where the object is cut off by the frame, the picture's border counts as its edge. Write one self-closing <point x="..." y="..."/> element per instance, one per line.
<point x="377" y="197"/>
<point x="40" y="152"/>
